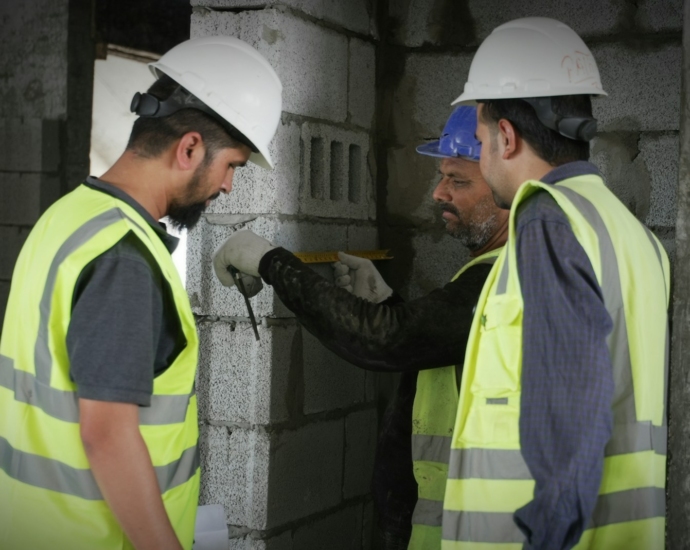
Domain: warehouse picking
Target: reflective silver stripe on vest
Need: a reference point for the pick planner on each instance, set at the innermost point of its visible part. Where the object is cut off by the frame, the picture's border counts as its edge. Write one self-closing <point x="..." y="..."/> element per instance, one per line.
<point x="431" y="448"/>
<point x="487" y="464"/>
<point x="35" y="389"/>
<point x="428" y="512"/>
<point x="54" y="475"/>
<point x="502" y="285"/>
<point x="491" y="527"/>
<point x="624" y="412"/>
<point x="63" y="405"/>
<point x="499" y="527"/>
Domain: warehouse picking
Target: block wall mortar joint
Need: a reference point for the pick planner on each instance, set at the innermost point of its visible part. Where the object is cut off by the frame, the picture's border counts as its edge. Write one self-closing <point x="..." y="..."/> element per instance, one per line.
<point x="257" y="534"/>
<point x="288" y="117"/>
<point x="300" y="421"/>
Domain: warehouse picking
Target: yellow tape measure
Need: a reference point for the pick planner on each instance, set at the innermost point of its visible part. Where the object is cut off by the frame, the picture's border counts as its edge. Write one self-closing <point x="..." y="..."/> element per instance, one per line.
<point x="332" y="256"/>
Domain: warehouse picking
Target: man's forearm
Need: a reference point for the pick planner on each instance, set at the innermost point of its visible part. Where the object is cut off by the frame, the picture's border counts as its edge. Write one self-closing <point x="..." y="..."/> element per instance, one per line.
<point x="122" y="466"/>
<point x="425" y="333"/>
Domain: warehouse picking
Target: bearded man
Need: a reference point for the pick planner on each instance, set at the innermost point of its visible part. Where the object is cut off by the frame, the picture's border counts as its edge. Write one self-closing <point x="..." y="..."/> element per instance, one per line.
<point x="98" y="420"/>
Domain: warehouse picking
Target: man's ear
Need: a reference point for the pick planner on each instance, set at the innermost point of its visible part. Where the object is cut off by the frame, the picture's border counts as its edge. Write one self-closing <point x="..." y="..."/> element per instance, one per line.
<point x="509" y="139"/>
<point x="190" y="151"/>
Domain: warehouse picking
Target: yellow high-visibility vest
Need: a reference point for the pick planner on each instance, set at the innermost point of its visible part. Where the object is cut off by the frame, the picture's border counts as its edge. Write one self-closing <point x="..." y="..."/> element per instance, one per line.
<point x="49" y="497"/>
<point x="433" y="418"/>
<point x="487" y="478"/>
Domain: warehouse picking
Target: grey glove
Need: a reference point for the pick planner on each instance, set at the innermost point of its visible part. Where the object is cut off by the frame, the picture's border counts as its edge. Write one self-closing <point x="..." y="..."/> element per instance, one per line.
<point x="361" y="278"/>
<point x="243" y="250"/>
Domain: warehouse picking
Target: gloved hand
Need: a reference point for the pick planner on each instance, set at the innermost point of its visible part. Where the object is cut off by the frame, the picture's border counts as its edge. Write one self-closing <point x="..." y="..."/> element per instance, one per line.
<point x="361" y="278"/>
<point x="243" y="250"/>
<point x="252" y="285"/>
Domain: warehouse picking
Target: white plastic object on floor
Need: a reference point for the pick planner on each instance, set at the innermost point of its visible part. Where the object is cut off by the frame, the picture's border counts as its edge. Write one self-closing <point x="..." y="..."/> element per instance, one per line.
<point x="210" y="531"/>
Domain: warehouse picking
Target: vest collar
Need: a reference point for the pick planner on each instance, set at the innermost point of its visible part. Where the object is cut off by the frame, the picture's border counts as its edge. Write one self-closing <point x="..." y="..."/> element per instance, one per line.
<point x="570" y="170"/>
<point x="169" y="241"/>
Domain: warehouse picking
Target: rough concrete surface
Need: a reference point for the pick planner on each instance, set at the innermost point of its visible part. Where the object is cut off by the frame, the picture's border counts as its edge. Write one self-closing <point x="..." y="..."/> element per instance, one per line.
<point x="257" y="190"/>
<point x="280" y="542"/>
<point x="235" y="473"/>
<point x="351" y="14"/>
<point x="361" y="95"/>
<point x="423" y="98"/>
<point x="209" y="297"/>
<point x="306" y="471"/>
<point x="335" y="179"/>
<point x="240" y="380"/>
<point x="643" y="87"/>
<point x="310" y="60"/>
<point x="12" y="239"/>
<point x="21" y="141"/>
<point x="660" y="154"/>
<point x="435" y="262"/>
<point x="660" y="15"/>
<point x="33" y="63"/>
<point x="446" y="22"/>
<point x="360" y="448"/>
<point x="411" y="181"/>
<point x="339" y="531"/>
<point x="329" y="382"/>
<point x="617" y="155"/>
<point x="21" y="198"/>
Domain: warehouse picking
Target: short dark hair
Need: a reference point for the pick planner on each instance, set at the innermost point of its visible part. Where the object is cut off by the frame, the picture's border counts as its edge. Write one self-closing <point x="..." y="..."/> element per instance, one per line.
<point x="150" y="137"/>
<point x="548" y="144"/>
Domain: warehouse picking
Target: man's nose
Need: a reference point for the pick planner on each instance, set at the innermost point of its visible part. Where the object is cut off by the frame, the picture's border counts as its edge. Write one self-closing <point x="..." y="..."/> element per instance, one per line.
<point x="441" y="194"/>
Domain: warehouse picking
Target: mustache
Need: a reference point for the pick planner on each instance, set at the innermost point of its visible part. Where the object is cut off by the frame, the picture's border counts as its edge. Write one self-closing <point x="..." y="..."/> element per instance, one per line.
<point x="448" y="207"/>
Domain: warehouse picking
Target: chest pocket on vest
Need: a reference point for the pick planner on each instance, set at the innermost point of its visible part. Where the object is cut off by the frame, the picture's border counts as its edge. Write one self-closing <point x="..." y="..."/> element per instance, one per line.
<point x="496" y="383"/>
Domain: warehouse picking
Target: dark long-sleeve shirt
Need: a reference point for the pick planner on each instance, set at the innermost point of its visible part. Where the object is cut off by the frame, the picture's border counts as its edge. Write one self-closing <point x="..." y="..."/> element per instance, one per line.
<point x="567" y="376"/>
<point x="425" y="333"/>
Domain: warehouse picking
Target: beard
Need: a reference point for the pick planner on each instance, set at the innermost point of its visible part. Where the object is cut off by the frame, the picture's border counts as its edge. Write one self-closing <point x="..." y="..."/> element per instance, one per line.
<point x="473" y="230"/>
<point x="185" y="213"/>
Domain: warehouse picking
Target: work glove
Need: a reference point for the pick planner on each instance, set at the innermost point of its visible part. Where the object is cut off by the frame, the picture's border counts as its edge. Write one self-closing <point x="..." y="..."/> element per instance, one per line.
<point x="252" y="285"/>
<point x="361" y="278"/>
<point x="243" y="250"/>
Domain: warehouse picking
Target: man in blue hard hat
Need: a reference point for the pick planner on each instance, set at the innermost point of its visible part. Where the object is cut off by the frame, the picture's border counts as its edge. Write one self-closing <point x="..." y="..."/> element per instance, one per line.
<point x="362" y="320"/>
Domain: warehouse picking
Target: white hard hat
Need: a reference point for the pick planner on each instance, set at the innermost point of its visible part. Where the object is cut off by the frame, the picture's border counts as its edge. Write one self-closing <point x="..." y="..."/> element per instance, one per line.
<point x="531" y="57"/>
<point x="233" y="79"/>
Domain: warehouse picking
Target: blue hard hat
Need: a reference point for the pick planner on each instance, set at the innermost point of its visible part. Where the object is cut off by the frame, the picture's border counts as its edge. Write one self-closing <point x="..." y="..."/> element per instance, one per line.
<point x="458" y="138"/>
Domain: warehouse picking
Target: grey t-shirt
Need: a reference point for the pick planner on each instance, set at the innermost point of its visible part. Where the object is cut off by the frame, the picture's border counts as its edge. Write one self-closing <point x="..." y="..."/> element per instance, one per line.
<point x="124" y="329"/>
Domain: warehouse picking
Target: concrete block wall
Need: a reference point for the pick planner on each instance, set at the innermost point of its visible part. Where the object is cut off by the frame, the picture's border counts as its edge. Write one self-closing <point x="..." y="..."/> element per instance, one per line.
<point x="637" y="47"/>
<point x="288" y="430"/>
<point x="46" y="67"/>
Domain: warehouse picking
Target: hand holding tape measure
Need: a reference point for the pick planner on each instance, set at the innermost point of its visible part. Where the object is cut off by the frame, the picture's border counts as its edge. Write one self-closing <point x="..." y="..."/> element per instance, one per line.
<point x="236" y="263"/>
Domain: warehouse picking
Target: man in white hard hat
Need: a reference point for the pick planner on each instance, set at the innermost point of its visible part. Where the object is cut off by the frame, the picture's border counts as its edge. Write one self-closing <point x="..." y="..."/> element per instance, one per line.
<point x="98" y="420"/>
<point x="560" y="437"/>
<point x="380" y="332"/>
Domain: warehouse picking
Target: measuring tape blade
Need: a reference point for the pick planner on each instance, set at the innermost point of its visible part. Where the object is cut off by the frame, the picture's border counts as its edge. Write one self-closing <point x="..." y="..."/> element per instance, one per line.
<point x="332" y="255"/>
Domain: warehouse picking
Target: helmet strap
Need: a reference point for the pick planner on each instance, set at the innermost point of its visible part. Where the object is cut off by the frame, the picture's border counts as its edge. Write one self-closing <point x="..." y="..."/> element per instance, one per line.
<point x="149" y="106"/>
<point x="577" y="128"/>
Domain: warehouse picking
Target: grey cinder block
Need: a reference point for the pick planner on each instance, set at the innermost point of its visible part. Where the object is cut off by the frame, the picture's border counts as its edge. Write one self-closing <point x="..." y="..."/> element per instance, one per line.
<point x="361" y="97"/>
<point x="310" y="60"/>
<point x="329" y="382"/>
<point x="633" y="79"/>
<point x="240" y="380"/>
<point x="336" y="181"/>
<point x="306" y="472"/>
